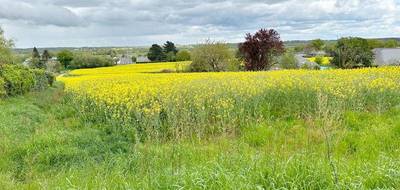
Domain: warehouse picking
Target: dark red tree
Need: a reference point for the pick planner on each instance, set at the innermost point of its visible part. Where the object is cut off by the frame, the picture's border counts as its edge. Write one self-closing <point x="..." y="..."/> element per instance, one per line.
<point x="259" y="49"/>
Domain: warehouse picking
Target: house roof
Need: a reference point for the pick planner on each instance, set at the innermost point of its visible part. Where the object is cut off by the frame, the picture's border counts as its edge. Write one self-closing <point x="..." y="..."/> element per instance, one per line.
<point x="387" y="56"/>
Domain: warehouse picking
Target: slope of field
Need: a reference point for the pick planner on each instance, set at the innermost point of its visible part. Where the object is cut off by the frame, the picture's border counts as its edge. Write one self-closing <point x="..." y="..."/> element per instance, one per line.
<point x="46" y="144"/>
<point x="168" y="105"/>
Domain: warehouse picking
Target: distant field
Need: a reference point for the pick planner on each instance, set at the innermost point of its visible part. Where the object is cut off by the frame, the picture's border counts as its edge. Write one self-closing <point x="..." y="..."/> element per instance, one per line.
<point x="201" y="104"/>
<point x="131" y="127"/>
<point x="325" y="60"/>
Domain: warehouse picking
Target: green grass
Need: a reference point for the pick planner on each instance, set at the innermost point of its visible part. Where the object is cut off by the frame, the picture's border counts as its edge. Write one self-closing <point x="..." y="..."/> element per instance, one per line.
<point x="44" y="144"/>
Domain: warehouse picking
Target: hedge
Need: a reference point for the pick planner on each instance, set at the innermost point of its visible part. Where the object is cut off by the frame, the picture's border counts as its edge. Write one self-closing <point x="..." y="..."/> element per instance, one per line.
<point x="18" y="79"/>
<point x="3" y="92"/>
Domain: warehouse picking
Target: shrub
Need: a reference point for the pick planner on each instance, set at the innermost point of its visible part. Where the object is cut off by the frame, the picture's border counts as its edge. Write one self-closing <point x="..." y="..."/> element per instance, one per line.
<point x="85" y="60"/>
<point x="3" y="92"/>
<point x="183" y="55"/>
<point x="18" y="79"/>
<point x="41" y="80"/>
<point x="319" y="60"/>
<point x="289" y="61"/>
<point x="212" y="56"/>
<point x="50" y="78"/>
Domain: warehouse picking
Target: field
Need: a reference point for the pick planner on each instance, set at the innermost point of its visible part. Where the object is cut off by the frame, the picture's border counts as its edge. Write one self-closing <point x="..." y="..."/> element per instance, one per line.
<point x="138" y="127"/>
<point x="325" y="60"/>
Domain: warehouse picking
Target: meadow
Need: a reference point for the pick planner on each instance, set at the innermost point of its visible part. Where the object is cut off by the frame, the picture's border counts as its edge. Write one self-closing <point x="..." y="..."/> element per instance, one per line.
<point x="137" y="127"/>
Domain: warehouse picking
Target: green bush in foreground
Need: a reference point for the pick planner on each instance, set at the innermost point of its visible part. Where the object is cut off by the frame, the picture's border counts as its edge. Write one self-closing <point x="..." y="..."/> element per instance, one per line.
<point x="19" y="79"/>
<point x="3" y="91"/>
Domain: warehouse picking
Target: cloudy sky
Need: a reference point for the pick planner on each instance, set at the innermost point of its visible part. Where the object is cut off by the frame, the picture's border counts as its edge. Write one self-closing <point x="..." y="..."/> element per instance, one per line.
<point x="54" y="23"/>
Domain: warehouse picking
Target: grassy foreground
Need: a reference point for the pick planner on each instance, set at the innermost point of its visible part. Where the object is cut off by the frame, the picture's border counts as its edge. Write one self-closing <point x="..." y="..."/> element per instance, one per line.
<point x="44" y="144"/>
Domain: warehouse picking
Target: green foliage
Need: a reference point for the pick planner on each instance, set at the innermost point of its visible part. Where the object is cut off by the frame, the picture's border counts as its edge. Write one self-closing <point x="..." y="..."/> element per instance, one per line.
<point x="156" y="53"/>
<point x="62" y="150"/>
<point x="289" y="61"/>
<point x="391" y="44"/>
<point x="3" y="91"/>
<point x="170" y="47"/>
<point x="353" y="52"/>
<point x="170" y="57"/>
<point x="40" y="78"/>
<point x="374" y="43"/>
<point x="18" y="79"/>
<point x="317" y="44"/>
<point x="6" y="55"/>
<point x="51" y="77"/>
<point x="86" y="60"/>
<point x="183" y="55"/>
<point x="53" y="66"/>
<point x="37" y="63"/>
<point x="65" y="57"/>
<point x="257" y="135"/>
<point x="319" y="60"/>
<point x="212" y="56"/>
<point x="134" y="59"/>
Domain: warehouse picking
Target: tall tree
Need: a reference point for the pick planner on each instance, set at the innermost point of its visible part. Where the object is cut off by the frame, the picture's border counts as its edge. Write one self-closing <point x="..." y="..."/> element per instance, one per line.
<point x="317" y="44"/>
<point x="352" y="52"/>
<point x="260" y="49"/>
<point x="65" y="57"/>
<point x="46" y="55"/>
<point x="6" y="55"/>
<point x="170" y="47"/>
<point x="156" y="53"/>
<point x="35" y="53"/>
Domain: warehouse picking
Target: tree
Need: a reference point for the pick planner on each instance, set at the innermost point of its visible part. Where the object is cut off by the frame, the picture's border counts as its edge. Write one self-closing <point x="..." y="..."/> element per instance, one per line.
<point x="170" y="47"/>
<point x="35" y="53"/>
<point x="183" y="55"/>
<point x="156" y="53"/>
<point x="65" y="57"/>
<point x="391" y="44"/>
<point x="374" y="43"/>
<point x="289" y="61"/>
<point x="260" y="49"/>
<point x="6" y="55"/>
<point x="36" y="61"/>
<point x="46" y="55"/>
<point x="352" y="52"/>
<point x="317" y="44"/>
<point x="170" y="56"/>
<point x="134" y="59"/>
<point x="212" y="56"/>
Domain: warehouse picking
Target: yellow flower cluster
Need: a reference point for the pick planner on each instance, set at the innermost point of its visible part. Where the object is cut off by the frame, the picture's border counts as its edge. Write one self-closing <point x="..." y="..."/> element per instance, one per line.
<point x="131" y="92"/>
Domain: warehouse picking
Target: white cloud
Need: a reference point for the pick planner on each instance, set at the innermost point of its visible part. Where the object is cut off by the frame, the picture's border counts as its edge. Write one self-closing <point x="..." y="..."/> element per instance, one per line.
<point x="139" y="22"/>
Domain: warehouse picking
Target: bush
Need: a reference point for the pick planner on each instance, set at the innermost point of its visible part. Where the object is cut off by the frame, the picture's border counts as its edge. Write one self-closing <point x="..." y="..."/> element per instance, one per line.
<point x="50" y="78"/>
<point x="85" y="60"/>
<point x="212" y="56"/>
<point x="18" y="79"/>
<point x="183" y="55"/>
<point x="3" y="92"/>
<point x="289" y="61"/>
<point x="41" y="80"/>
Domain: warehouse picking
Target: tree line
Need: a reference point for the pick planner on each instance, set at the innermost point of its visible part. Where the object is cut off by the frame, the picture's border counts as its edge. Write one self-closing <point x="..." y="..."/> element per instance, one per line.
<point x="168" y="52"/>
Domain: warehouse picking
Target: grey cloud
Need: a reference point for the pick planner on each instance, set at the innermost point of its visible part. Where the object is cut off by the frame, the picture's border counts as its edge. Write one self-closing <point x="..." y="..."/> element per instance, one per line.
<point x="146" y="21"/>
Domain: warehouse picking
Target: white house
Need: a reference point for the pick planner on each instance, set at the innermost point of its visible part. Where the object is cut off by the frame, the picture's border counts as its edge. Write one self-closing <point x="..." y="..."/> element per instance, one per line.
<point x="142" y="59"/>
<point x="124" y="60"/>
<point x="387" y="56"/>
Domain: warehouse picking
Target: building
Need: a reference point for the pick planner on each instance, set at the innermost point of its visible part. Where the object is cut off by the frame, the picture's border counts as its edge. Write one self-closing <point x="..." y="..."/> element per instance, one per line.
<point x="142" y="59"/>
<point x="387" y="56"/>
<point x="124" y="60"/>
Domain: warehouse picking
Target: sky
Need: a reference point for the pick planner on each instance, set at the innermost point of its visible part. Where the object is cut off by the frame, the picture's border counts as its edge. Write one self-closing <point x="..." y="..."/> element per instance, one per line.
<point x="78" y="23"/>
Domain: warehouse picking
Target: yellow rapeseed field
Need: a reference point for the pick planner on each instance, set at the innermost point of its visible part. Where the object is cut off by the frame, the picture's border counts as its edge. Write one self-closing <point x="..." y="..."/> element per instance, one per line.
<point x="140" y="95"/>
